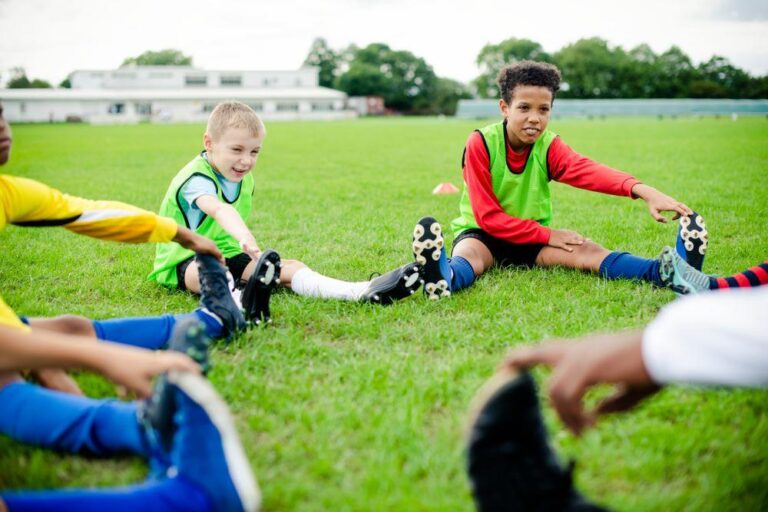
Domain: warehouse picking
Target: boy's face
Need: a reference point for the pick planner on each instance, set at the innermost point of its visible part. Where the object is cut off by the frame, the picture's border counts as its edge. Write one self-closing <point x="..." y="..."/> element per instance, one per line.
<point x="234" y="153"/>
<point x="5" y="138"/>
<point x="527" y="114"/>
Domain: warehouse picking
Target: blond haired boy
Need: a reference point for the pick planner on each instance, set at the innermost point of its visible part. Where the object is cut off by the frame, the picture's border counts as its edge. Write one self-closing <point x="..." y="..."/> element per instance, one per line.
<point x="212" y="195"/>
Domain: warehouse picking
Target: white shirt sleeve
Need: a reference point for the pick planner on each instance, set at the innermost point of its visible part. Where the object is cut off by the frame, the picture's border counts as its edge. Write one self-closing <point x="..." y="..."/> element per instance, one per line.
<point x="713" y="338"/>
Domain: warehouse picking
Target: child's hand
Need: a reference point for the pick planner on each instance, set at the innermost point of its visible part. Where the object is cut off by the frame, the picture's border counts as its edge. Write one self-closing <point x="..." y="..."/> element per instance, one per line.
<point x="251" y="248"/>
<point x="135" y="368"/>
<point x="659" y="202"/>
<point x="578" y="365"/>
<point x="564" y="239"/>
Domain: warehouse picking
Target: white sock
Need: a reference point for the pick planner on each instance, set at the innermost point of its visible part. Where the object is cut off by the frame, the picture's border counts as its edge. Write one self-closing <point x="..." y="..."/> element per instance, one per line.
<point x="309" y="283"/>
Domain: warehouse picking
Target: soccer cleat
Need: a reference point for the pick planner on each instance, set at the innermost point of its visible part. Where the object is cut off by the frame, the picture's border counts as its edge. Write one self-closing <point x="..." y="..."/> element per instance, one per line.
<point x="206" y="447"/>
<point x="510" y="463"/>
<point x="258" y="289"/>
<point x="394" y="285"/>
<point x="216" y="296"/>
<point x="429" y="252"/>
<point x="692" y="240"/>
<point x="156" y="413"/>
<point x="679" y="276"/>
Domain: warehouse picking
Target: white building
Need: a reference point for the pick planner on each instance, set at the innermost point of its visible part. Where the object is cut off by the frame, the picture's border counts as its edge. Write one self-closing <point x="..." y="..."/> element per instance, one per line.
<point x="175" y="94"/>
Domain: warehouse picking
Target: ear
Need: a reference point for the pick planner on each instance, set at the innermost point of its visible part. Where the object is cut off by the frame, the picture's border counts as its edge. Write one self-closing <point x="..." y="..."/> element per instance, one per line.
<point x="207" y="142"/>
<point x="503" y="107"/>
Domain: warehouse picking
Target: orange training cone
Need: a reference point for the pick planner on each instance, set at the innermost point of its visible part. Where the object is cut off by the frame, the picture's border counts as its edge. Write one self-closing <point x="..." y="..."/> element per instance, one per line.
<point x="445" y="188"/>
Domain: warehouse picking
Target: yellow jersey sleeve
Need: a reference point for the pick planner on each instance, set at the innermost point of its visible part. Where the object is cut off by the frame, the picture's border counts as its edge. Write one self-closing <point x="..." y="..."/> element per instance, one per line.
<point x="27" y="202"/>
<point x="9" y="318"/>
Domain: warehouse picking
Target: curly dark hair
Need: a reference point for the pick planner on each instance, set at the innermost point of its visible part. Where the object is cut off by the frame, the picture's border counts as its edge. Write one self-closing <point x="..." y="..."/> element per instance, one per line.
<point x="528" y="72"/>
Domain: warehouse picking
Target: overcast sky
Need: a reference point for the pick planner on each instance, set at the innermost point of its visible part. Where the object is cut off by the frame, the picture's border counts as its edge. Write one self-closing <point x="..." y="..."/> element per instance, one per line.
<point x="51" y="38"/>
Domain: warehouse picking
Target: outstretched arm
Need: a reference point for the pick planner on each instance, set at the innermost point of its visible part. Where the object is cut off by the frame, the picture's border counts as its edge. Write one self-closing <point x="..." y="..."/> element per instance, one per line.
<point x="131" y="367"/>
<point x="230" y="220"/>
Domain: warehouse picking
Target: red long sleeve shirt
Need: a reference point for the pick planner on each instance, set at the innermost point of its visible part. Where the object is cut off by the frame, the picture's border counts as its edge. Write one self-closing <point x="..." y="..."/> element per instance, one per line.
<point x="564" y="165"/>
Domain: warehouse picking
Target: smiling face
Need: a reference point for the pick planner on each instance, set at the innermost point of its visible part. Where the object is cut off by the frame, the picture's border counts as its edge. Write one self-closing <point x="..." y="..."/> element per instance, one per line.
<point x="5" y="138"/>
<point x="234" y="153"/>
<point x="527" y="114"/>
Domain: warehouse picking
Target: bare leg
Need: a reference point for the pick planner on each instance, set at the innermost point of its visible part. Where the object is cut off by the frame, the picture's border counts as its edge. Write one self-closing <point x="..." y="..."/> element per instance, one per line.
<point x="588" y="256"/>
<point x="476" y="253"/>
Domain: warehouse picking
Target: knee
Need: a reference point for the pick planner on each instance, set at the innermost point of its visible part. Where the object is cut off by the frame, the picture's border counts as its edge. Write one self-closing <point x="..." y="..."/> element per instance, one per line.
<point x="590" y="255"/>
<point x="289" y="269"/>
<point x="73" y="324"/>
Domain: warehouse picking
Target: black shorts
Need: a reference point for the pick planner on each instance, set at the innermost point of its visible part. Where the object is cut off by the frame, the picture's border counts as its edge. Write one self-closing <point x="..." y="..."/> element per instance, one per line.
<point x="236" y="266"/>
<point x="505" y="254"/>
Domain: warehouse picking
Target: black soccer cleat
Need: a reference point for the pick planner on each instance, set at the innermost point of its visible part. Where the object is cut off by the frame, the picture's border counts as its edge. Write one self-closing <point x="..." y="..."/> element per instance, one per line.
<point x="692" y="240"/>
<point x="509" y="461"/>
<point x="429" y="252"/>
<point x="396" y="284"/>
<point x="258" y="289"/>
<point x="156" y="413"/>
<point x="215" y="295"/>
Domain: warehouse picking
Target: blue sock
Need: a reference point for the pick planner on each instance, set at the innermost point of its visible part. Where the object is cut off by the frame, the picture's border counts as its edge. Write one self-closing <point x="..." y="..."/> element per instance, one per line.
<point x="462" y="273"/>
<point x="152" y="332"/>
<point x="170" y="494"/>
<point x="622" y="265"/>
<point x="52" y="419"/>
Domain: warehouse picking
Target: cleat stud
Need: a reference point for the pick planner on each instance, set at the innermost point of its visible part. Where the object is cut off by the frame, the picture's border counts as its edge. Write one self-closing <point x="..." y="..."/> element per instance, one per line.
<point x="277" y="280"/>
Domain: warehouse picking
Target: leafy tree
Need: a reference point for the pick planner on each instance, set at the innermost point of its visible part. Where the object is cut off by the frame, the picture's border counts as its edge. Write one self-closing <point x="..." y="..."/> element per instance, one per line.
<point x="325" y="58"/>
<point x="66" y="84"/>
<point x="19" y="80"/>
<point x="447" y="95"/>
<point x="169" y="57"/>
<point x="493" y="57"/>
<point x="675" y="72"/>
<point x="589" y="67"/>
<point x="720" y="71"/>
<point x="406" y="82"/>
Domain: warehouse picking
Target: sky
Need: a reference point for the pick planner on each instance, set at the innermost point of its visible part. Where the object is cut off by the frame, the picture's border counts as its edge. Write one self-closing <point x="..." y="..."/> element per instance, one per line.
<point x="51" y="38"/>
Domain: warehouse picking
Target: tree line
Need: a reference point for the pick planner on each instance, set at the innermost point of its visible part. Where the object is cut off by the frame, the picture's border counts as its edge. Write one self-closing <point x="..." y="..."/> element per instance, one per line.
<point x="591" y="69"/>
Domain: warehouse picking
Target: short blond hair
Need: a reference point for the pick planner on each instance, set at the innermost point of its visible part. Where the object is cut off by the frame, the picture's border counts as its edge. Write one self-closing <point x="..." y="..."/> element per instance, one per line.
<point x="234" y="114"/>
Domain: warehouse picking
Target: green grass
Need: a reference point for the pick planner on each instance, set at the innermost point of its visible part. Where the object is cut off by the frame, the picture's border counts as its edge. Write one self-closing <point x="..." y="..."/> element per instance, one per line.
<point x="353" y="407"/>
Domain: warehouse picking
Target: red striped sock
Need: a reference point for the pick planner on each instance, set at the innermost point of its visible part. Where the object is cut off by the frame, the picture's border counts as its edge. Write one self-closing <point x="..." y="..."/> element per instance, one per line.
<point x="755" y="276"/>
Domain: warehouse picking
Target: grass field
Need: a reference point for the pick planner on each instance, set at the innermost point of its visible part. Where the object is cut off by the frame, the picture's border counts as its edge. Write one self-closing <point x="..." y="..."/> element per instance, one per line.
<point x="344" y="406"/>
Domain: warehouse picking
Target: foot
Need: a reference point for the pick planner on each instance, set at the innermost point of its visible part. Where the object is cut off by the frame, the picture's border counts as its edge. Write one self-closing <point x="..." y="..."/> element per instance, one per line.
<point x="156" y="413"/>
<point x="692" y="240"/>
<point x="216" y="296"/>
<point x="510" y="463"/>
<point x="206" y="447"/>
<point x="394" y="285"/>
<point x="258" y="289"/>
<point x="679" y="276"/>
<point x="429" y="252"/>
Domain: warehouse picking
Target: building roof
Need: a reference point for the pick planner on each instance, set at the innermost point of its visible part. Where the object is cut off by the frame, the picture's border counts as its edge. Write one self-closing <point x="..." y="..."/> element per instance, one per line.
<point x="191" y="93"/>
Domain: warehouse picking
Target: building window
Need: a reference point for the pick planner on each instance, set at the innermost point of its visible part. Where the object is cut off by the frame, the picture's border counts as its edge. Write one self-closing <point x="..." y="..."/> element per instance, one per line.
<point x="123" y="75"/>
<point x="22" y="107"/>
<point x="208" y="108"/>
<point x="287" y="107"/>
<point x="144" y="109"/>
<point x="196" y="80"/>
<point x="231" y="80"/>
<point x="298" y="82"/>
<point x="322" y="106"/>
<point x="257" y="107"/>
<point x="116" y="108"/>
